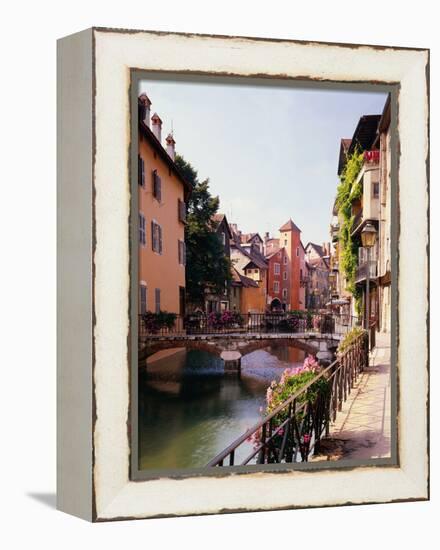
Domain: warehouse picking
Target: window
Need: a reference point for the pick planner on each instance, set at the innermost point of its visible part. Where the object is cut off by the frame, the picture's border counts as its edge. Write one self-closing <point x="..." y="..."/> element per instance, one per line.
<point x="276" y="287"/>
<point x="285" y="293"/>
<point x="297" y="251"/>
<point x="223" y="238"/>
<point x="142" y="234"/>
<point x="141" y="171"/>
<point x="285" y="260"/>
<point x="284" y="275"/>
<point x="285" y="242"/>
<point x="181" y="211"/>
<point x="276" y="269"/>
<point x="376" y="189"/>
<point x="157" y="186"/>
<point x="142" y="298"/>
<point x="157" y="299"/>
<point x="156" y="237"/>
<point x="181" y="252"/>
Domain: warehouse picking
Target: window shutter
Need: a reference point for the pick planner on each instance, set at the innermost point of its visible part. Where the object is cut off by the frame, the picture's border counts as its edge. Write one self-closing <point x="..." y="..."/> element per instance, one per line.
<point x="142" y="172"/>
<point x="159" y="188"/>
<point x="142" y="236"/>
<point x="157" y="299"/>
<point x="143" y="298"/>
<point x="160" y="238"/>
<point x="153" y="236"/>
<point x="154" y="174"/>
<point x="179" y="251"/>
<point x="181" y="208"/>
<point x="184" y="252"/>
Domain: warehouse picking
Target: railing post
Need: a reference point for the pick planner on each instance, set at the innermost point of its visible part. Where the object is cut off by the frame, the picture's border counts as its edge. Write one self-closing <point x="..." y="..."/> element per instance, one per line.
<point x="261" y="456"/>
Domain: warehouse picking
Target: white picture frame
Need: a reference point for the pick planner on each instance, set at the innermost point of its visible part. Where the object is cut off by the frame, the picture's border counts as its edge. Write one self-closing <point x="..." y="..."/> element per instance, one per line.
<point x="94" y="340"/>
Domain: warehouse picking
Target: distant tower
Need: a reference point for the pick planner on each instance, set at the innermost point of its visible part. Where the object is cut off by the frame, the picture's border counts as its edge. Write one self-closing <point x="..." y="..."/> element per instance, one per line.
<point x="145" y="113"/>
<point x="290" y="239"/>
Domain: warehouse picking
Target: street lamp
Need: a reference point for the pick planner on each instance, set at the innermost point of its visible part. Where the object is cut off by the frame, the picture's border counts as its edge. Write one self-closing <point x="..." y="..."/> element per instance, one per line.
<point x="368" y="236"/>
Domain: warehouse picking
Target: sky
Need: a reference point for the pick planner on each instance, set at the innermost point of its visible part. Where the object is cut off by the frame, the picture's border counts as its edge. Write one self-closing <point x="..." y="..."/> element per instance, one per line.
<point x="270" y="153"/>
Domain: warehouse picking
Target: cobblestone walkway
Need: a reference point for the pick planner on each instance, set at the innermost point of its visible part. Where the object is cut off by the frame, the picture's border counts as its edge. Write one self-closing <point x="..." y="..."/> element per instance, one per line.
<point x="363" y="428"/>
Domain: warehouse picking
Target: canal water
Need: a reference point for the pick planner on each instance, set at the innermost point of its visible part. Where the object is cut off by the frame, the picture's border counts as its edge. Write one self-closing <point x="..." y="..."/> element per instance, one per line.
<point x="190" y="409"/>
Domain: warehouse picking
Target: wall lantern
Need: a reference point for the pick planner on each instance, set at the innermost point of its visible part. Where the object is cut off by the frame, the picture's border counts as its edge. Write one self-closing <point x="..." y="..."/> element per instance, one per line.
<point x="368" y="235"/>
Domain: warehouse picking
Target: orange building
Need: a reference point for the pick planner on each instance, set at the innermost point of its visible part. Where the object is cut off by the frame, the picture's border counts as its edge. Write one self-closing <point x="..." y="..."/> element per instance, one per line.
<point x="245" y="293"/>
<point x="248" y="261"/>
<point x="162" y="193"/>
<point x="278" y="279"/>
<point x="290" y="240"/>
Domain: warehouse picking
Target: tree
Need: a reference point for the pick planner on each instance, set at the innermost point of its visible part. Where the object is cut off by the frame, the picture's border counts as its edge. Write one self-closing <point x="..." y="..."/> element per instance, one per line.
<point x="207" y="267"/>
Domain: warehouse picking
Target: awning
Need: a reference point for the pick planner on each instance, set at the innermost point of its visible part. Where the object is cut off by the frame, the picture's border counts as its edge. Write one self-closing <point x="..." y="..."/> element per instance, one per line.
<point x="337" y="303"/>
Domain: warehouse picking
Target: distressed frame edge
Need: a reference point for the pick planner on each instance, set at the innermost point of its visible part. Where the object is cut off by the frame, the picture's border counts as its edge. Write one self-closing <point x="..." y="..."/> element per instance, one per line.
<point x="94" y="515"/>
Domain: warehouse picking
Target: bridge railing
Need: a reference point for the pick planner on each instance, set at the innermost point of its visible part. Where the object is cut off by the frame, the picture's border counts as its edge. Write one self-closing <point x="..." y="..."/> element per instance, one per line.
<point x="292" y="432"/>
<point x="234" y="322"/>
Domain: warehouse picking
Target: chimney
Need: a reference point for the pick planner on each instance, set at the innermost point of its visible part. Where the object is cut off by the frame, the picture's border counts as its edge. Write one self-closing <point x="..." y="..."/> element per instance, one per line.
<point x="145" y="112"/>
<point x="157" y="126"/>
<point x="266" y="236"/>
<point x="171" y="146"/>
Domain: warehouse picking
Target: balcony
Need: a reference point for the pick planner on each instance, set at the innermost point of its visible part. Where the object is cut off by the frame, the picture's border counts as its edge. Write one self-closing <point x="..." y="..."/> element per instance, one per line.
<point x="334" y="231"/>
<point x="361" y="271"/>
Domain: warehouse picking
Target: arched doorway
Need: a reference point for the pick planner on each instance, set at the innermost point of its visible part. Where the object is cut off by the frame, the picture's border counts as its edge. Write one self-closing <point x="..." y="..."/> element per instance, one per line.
<point x="276" y="305"/>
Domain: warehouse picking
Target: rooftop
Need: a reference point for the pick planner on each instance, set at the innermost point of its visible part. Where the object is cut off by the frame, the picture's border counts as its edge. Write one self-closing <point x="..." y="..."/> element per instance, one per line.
<point x="159" y="149"/>
<point x="290" y="226"/>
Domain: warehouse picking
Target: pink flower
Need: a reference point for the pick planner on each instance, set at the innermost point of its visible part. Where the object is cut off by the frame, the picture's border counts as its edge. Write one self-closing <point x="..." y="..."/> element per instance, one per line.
<point x="269" y="395"/>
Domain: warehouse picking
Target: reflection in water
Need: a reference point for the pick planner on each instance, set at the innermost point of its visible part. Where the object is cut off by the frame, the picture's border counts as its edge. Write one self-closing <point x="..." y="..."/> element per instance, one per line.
<point x="190" y="410"/>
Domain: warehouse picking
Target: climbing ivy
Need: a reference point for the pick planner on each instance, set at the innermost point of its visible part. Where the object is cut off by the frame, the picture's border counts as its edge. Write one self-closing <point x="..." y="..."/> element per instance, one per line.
<point x="348" y="191"/>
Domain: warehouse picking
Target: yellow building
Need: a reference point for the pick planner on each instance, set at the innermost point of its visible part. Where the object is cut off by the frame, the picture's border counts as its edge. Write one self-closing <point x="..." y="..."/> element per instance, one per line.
<point x="251" y="263"/>
<point x="162" y="192"/>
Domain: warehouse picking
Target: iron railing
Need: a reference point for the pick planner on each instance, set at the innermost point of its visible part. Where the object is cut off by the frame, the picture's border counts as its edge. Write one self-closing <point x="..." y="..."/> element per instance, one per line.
<point x="233" y="322"/>
<point x="292" y="432"/>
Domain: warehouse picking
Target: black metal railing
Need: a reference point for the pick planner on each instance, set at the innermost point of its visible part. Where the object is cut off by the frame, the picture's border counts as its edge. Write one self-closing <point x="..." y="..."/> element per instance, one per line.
<point x="162" y="324"/>
<point x="233" y="322"/>
<point x="293" y="430"/>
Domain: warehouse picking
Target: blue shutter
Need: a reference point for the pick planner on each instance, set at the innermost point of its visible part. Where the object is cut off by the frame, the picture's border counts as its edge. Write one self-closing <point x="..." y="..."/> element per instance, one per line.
<point x="143" y="299"/>
<point x="157" y="299"/>
<point x="153" y="237"/>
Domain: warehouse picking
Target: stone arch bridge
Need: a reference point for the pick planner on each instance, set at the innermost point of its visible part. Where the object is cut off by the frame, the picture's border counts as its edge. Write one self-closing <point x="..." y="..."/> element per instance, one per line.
<point x="232" y="347"/>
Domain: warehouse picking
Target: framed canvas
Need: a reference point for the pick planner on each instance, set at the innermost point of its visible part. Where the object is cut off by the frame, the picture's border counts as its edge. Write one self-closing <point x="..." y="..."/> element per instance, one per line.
<point x="242" y="274"/>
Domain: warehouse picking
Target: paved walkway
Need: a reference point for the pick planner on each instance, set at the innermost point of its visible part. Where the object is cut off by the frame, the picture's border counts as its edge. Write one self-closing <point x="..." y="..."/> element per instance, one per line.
<point x="363" y="428"/>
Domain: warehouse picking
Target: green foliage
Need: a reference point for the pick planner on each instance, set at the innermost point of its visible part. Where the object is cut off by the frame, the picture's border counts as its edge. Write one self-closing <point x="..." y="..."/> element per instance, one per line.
<point x="349" y="191"/>
<point x="350" y="338"/>
<point x="207" y="267"/>
<point x="293" y="384"/>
